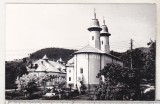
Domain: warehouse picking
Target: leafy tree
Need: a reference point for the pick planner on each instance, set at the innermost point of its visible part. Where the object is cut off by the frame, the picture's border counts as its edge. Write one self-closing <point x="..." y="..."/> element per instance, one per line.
<point x="27" y="83"/>
<point x="119" y="84"/>
<point x="13" y="70"/>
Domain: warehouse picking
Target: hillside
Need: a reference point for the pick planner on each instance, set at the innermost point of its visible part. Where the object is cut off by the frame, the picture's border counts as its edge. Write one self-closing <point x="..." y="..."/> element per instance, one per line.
<point x="53" y="54"/>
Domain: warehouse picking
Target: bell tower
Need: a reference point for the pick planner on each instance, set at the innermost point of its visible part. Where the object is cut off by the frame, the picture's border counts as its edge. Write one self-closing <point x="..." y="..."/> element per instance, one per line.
<point x="94" y="37"/>
<point x="104" y="38"/>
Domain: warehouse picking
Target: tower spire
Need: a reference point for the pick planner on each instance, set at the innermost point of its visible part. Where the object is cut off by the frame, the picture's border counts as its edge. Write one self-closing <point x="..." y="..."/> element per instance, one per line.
<point x="104" y="38"/>
<point x="103" y="20"/>
<point x="94" y="13"/>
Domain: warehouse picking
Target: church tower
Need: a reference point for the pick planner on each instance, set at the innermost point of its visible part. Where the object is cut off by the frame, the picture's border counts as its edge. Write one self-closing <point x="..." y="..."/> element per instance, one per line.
<point x="94" y="37"/>
<point x="104" y="38"/>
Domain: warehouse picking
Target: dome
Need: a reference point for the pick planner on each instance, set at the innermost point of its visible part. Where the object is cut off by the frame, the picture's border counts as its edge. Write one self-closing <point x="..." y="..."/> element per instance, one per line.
<point x="94" y="25"/>
<point x="104" y="31"/>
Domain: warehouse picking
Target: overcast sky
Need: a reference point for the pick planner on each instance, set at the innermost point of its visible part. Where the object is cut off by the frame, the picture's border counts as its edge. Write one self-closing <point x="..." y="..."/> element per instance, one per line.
<point x="30" y="27"/>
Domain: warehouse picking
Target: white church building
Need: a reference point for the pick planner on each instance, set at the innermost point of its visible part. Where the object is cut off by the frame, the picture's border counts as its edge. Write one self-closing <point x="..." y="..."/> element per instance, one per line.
<point x="88" y="61"/>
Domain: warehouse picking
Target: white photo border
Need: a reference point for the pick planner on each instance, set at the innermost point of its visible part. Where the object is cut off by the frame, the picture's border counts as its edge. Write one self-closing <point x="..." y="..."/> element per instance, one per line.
<point x="2" y="36"/>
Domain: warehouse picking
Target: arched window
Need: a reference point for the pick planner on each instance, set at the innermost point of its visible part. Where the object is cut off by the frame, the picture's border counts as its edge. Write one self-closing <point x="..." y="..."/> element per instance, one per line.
<point x="102" y="42"/>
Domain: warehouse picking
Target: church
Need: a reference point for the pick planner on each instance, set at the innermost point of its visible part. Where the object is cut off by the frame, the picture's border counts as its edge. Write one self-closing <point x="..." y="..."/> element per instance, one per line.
<point x="88" y="61"/>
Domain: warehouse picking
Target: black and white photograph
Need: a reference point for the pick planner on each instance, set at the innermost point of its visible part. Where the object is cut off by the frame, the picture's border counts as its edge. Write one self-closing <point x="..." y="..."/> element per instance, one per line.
<point x="87" y="51"/>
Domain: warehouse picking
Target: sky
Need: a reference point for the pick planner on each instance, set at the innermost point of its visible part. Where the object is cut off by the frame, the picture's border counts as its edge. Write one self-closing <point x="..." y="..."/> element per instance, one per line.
<point x="30" y="27"/>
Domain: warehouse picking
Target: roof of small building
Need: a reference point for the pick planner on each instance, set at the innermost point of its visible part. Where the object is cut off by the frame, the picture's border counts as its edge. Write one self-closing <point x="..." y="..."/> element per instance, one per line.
<point x="45" y="57"/>
<point x="49" y="66"/>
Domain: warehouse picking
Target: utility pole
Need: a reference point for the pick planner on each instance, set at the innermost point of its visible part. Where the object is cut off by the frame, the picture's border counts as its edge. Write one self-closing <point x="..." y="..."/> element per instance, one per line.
<point x="131" y="52"/>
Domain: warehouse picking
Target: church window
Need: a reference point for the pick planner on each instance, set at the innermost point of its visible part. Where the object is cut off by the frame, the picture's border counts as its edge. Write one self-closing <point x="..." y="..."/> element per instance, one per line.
<point x="81" y="70"/>
<point x="92" y="37"/>
<point x="69" y="71"/>
<point x="102" y="42"/>
<point x="69" y="78"/>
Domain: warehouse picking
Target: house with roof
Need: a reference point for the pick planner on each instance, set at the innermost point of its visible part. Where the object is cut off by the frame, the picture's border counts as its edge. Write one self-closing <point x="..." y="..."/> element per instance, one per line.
<point x="88" y="61"/>
<point x="45" y="66"/>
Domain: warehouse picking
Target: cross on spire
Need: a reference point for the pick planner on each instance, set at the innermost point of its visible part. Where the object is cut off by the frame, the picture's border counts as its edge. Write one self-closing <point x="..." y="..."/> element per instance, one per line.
<point x="103" y="20"/>
<point x="94" y="13"/>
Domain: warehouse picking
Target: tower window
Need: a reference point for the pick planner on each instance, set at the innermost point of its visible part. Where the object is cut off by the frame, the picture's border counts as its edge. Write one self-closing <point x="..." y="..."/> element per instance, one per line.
<point x="92" y="37"/>
<point x="69" y="71"/>
<point x="69" y="78"/>
<point x="102" y="42"/>
<point x="81" y="70"/>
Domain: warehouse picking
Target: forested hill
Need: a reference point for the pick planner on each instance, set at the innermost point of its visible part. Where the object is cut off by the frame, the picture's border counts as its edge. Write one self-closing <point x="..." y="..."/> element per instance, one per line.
<point x="66" y="54"/>
<point x="53" y="54"/>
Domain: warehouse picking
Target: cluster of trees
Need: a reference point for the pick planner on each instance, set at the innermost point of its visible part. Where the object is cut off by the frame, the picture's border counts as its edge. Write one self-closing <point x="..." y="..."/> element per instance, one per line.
<point x="119" y="83"/>
<point x="124" y="83"/>
<point x="31" y="82"/>
<point x="14" y="69"/>
<point x="143" y="59"/>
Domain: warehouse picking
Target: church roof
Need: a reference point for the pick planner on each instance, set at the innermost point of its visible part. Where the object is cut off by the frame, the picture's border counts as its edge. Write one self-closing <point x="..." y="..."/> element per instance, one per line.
<point x="70" y="62"/>
<point x="89" y="49"/>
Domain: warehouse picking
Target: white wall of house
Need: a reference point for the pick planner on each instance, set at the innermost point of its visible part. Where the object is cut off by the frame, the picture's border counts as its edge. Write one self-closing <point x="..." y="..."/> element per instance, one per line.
<point x="70" y="74"/>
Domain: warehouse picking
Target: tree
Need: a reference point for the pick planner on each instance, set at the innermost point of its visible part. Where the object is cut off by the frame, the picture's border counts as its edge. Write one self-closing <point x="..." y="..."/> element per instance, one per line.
<point x="150" y="62"/>
<point x="13" y="70"/>
<point x="27" y="83"/>
<point x="119" y="84"/>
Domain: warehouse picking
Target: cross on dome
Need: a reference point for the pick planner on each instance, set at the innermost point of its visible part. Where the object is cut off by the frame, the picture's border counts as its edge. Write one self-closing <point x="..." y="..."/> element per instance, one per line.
<point x="103" y="20"/>
<point x="94" y="13"/>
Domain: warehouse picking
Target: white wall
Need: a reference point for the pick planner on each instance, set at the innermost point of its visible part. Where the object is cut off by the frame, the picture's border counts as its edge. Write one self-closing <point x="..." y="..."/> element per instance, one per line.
<point x="70" y="73"/>
<point x="91" y="66"/>
<point x="94" y="68"/>
<point x="105" y="60"/>
<point x="82" y="62"/>
<point x="105" y="46"/>
<point x="96" y="42"/>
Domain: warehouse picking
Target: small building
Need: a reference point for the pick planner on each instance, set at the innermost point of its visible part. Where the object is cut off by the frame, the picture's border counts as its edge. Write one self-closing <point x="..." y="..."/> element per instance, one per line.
<point x="46" y="66"/>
